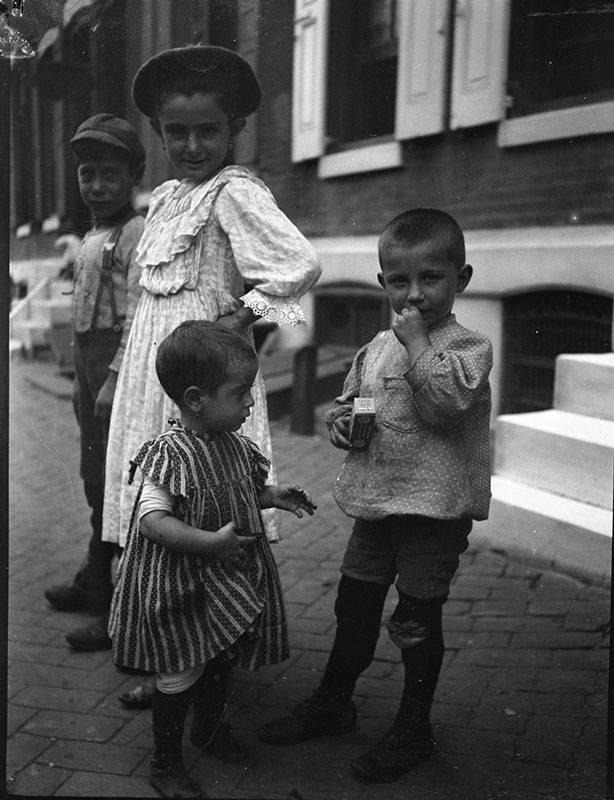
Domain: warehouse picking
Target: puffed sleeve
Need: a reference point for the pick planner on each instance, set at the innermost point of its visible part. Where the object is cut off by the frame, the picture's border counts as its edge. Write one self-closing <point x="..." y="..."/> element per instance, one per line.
<point x="159" y="461"/>
<point x="270" y="252"/>
<point x="447" y="382"/>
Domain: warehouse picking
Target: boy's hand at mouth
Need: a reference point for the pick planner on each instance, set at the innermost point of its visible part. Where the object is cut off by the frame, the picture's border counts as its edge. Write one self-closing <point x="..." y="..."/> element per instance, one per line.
<point x="412" y="331"/>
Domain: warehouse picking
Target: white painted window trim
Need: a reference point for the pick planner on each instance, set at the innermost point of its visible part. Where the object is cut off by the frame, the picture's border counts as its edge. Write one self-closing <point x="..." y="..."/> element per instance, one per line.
<point x="567" y="123"/>
<point x="370" y="158"/>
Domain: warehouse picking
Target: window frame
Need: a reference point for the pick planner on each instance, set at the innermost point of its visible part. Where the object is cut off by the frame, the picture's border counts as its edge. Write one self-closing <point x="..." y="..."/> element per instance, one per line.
<point x="432" y="96"/>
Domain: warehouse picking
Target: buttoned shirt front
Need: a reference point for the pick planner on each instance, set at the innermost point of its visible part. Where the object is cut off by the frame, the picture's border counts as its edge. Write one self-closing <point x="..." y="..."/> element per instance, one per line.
<point x="429" y="453"/>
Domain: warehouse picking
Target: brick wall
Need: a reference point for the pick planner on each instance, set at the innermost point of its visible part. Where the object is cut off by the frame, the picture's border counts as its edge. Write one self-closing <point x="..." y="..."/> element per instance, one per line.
<point x="483" y="186"/>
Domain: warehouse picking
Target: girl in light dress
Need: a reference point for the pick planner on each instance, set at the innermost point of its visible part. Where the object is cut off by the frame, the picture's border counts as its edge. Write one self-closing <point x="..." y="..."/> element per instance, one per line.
<point x="207" y="234"/>
<point x="198" y="590"/>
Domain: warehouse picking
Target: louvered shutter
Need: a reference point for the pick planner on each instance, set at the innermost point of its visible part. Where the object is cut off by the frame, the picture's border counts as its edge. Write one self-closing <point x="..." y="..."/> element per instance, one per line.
<point x="480" y="62"/>
<point x="422" y="27"/>
<point x="309" y="78"/>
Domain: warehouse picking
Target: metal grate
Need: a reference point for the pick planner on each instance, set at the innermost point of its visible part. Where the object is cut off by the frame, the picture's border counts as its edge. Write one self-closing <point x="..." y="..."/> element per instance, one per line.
<point x="350" y="313"/>
<point x="538" y="327"/>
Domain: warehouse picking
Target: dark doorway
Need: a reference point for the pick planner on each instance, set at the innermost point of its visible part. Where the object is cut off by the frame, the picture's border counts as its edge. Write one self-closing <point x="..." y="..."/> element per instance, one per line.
<point x="538" y="327"/>
<point x="350" y="314"/>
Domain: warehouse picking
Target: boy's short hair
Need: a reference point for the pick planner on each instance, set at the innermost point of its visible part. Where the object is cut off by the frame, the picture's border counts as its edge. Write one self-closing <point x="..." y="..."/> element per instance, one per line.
<point x="420" y="226"/>
<point x="200" y="353"/>
<point x="105" y="134"/>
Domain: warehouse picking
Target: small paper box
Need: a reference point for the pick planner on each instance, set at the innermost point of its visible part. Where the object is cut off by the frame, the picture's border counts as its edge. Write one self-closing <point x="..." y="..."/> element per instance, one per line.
<point x="362" y="422"/>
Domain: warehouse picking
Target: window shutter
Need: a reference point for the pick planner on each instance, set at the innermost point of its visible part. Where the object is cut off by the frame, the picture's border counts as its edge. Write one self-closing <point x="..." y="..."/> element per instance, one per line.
<point x="480" y="62"/>
<point x="422" y="26"/>
<point x="309" y="78"/>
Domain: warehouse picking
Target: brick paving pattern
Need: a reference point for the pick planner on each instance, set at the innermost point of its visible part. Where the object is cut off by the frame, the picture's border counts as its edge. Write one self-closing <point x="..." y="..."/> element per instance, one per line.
<point x="520" y="711"/>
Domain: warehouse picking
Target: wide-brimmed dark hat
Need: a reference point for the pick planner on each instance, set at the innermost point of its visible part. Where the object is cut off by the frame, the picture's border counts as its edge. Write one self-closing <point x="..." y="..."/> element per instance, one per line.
<point x="112" y="131"/>
<point x="160" y="71"/>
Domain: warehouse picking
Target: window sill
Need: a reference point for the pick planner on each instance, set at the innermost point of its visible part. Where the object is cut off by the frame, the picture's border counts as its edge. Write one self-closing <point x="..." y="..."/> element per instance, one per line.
<point x="567" y="123"/>
<point x="370" y="158"/>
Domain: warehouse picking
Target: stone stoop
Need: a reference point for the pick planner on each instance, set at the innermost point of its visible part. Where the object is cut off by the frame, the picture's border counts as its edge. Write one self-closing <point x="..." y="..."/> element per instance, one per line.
<point x="553" y="473"/>
<point x="39" y="314"/>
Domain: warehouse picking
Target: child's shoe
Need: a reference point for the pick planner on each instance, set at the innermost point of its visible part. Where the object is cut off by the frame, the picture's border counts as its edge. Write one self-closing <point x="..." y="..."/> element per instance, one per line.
<point x="323" y="713"/>
<point x="210" y="734"/>
<point x="400" y="749"/>
<point x="91" y="637"/>
<point x="169" y="776"/>
<point x="77" y="598"/>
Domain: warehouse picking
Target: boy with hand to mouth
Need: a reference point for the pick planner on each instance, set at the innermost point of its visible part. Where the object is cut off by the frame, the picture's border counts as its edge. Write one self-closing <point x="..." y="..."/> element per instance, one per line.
<point x="413" y="492"/>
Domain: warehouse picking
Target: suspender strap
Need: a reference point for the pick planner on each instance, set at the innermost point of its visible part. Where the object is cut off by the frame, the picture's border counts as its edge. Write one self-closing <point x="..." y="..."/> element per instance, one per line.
<point x="106" y="276"/>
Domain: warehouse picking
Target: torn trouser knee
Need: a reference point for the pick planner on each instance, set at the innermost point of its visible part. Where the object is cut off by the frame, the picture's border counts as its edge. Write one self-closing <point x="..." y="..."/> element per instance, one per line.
<point x="414" y="621"/>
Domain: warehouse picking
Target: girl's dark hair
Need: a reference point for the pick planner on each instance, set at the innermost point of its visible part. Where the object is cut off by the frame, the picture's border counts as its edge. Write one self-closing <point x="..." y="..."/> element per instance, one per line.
<point x="88" y="149"/>
<point x="200" y="353"/>
<point x="222" y="87"/>
<point x="426" y="226"/>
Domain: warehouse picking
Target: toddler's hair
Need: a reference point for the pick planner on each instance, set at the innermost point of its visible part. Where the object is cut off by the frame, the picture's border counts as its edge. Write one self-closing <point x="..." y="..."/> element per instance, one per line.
<point x="200" y="353"/>
<point x="420" y="226"/>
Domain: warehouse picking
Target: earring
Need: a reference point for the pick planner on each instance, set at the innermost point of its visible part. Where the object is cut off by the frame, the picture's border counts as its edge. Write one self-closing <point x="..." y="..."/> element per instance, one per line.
<point x="231" y="145"/>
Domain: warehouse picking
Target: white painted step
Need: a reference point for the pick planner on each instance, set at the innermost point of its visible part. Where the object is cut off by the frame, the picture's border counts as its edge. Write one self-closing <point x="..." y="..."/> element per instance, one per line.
<point x="52" y="311"/>
<point x="571" y="535"/>
<point x="30" y="332"/>
<point x="584" y="384"/>
<point x="557" y="451"/>
<point x="15" y="349"/>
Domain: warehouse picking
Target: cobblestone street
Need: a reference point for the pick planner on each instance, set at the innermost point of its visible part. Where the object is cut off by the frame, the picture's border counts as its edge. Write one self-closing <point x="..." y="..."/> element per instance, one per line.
<point x="520" y="711"/>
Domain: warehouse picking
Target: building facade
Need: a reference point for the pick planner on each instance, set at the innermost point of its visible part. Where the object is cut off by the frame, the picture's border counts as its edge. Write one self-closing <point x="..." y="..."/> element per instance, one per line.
<point x="500" y="112"/>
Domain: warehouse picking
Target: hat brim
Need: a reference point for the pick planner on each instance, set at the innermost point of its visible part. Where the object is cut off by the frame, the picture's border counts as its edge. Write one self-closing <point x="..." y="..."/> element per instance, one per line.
<point x="160" y="70"/>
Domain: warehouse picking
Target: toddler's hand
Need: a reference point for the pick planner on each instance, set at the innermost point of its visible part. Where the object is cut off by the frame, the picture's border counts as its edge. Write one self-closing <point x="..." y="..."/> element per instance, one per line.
<point x="229" y="548"/>
<point x="340" y="431"/>
<point x="291" y="497"/>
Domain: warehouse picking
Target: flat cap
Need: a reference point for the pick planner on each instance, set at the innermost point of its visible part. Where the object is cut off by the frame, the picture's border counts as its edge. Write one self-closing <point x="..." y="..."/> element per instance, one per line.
<point x="112" y="131"/>
<point x="214" y="63"/>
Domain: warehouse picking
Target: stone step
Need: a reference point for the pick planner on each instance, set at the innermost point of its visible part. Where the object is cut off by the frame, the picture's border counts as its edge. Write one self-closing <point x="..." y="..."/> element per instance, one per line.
<point x="52" y="311"/>
<point x="557" y="451"/>
<point x="572" y="536"/>
<point x="30" y="333"/>
<point x="584" y="384"/>
<point x="15" y="349"/>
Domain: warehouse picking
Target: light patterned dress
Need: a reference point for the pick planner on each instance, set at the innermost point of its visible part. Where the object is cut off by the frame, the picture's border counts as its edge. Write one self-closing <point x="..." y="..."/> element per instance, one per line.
<point x="201" y="244"/>
<point x="172" y="611"/>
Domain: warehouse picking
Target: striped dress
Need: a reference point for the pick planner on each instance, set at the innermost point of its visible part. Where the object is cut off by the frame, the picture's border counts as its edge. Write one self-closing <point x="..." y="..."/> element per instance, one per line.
<point x="172" y="611"/>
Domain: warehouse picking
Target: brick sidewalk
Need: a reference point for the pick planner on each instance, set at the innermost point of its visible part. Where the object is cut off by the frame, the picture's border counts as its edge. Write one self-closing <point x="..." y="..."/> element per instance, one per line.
<point x="520" y="709"/>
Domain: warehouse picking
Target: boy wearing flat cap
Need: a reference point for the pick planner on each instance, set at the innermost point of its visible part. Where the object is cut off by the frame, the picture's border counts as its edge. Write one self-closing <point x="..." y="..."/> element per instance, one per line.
<point x="110" y="163"/>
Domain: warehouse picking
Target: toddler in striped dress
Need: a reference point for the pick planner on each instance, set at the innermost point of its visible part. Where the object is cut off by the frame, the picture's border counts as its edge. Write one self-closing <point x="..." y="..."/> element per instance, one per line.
<point x="198" y="590"/>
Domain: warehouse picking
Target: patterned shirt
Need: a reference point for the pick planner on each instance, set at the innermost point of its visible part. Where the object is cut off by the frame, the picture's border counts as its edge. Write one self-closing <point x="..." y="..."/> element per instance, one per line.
<point x="429" y="453"/>
<point x="126" y="274"/>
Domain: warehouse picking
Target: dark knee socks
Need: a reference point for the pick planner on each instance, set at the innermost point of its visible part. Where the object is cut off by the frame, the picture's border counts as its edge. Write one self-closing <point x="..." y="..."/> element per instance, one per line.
<point x="211" y="689"/>
<point x="169" y="714"/>
<point x="421" y="621"/>
<point x="358" y="609"/>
